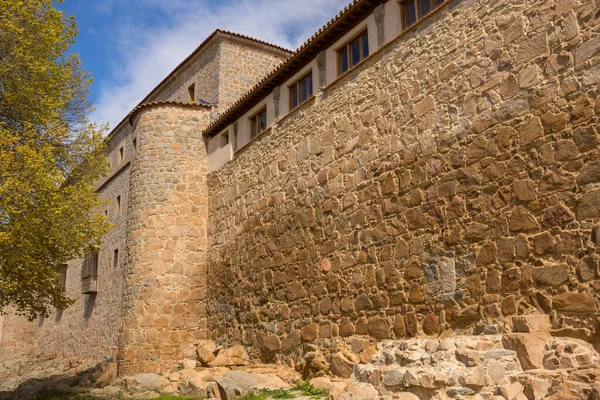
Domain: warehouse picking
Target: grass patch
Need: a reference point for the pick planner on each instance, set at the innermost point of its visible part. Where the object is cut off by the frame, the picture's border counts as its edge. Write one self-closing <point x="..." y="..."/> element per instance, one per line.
<point x="304" y="387"/>
<point x="164" y="396"/>
<point x="309" y="390"/>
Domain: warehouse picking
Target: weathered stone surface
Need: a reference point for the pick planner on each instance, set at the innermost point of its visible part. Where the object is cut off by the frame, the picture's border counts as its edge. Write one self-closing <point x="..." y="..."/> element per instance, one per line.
<point x="533" y="47"/>
<point x="553" y="275"/>
<point x="575" y="303"/>
<point x="205" y="351"/>
<point x="521" y="220"/>
<point x="379" y="328"/>
<point x="590" y="173"/>
<point x="238" y="383"/>
<point x="196" y="383"/>
<point x="589" y="205"/>
<point x="431" y="324"/>
<point x="524" y="190"/>
<point x="529" y="347"/>
<point x="235" y="355"/>
<point x="531" y="323"/>
<point x="146" y="382"/>
<point x="309" y="332"/>
<point x="342" y="364"/>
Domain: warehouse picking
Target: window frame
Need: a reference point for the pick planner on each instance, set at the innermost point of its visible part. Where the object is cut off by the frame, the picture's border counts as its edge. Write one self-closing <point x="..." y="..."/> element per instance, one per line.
<point x="418" y="16"/>
<point x="89" y="273"/>
<point x="298" y="85"/>
<point x="256" y="118"/>
<point x="348" y="47"/>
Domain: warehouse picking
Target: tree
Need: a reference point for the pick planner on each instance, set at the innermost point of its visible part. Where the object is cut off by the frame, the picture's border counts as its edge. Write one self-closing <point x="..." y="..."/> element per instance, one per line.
<point x="51" y="156"/>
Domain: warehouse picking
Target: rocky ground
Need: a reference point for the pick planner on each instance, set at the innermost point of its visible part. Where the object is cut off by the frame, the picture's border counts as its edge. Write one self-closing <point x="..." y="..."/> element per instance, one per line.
<point x="526" y="364"/>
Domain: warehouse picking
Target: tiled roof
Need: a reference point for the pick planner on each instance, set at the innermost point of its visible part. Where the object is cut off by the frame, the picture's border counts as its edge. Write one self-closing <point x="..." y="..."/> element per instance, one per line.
<point x="330" y="32"/>
<point x="164" y="103"/>
<point x="199" y="48"/>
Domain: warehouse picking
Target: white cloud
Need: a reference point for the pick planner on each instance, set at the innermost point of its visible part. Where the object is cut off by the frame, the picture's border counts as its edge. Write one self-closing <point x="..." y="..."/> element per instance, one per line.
<point x="151" y="37"/>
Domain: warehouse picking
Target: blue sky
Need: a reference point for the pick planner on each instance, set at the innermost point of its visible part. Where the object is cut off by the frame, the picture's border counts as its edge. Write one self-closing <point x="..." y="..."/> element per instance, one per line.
<point x="131" y="45"/>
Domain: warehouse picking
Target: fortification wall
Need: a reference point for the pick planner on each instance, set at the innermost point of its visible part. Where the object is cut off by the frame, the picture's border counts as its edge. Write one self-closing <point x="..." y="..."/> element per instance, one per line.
<point x="449" y="182"/>
<point x="165" y="268"/>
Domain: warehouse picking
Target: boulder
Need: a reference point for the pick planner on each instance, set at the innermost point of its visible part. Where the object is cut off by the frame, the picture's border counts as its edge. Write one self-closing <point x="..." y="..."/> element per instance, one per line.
<point x="537" y="389"/>
<point x="359" y="391"/>
<point x="233" y="356"/>
<point x="528" y="346"/>
<point x="313" y="364"/>
<point x="195" y="383"/>
<point x="342" y="364"/>
<point x="405" y="396"/>
<point x="332" y="386"/>
<point x="146" y="382"/>
<point x="205" y="351"/>
<point x="238" y="383"/>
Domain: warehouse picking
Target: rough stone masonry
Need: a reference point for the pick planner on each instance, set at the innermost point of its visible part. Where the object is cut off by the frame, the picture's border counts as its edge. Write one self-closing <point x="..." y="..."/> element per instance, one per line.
<point x="449" y="183"/>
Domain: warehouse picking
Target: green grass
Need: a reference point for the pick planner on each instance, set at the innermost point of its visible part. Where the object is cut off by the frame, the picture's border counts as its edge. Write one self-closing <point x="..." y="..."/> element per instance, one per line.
<point x="309" y="390"/>
<point x="164" y="396"/>
<point x="304" y="387"/>
<point x="279" y="394"/>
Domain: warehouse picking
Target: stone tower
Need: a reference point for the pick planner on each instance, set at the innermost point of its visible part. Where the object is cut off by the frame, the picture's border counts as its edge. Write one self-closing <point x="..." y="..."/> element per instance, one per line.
<point x="165" y="268"/>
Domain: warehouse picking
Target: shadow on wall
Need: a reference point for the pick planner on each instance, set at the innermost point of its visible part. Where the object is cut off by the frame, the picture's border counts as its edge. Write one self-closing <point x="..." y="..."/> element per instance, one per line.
<point x="89" y="304"/>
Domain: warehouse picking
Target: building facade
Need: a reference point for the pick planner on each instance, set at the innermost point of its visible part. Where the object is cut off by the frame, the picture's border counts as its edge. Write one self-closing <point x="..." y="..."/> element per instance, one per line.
<point x="415" y="169"/>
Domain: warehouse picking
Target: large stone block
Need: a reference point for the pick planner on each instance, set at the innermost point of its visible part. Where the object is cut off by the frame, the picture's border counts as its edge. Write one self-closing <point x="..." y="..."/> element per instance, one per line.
<point x="528" y="346"/>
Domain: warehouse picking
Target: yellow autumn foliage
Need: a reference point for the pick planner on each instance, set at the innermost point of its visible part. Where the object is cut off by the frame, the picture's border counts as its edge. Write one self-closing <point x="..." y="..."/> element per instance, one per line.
<point x="50" y="157"/>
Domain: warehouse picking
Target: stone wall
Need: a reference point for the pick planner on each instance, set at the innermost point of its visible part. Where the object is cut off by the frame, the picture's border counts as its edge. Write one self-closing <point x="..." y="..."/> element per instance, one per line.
<point x="448" y="183"/>
<point x="165" y="268"/>
<point x="203" y="72"/>
<point x="89" y="328"/>
<point x="223" y="72"/>
<point x="242" y="66"/>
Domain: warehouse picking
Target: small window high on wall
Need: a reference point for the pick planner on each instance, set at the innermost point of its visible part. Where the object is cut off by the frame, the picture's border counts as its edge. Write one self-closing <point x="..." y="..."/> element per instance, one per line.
<point x="353" y="52"/>
<point x="192" y="92"/>
<point x="414" y="10"/>
<point x="89" y="273"/>
<point x="301" y="91"/>
<point x="258" y="123"/>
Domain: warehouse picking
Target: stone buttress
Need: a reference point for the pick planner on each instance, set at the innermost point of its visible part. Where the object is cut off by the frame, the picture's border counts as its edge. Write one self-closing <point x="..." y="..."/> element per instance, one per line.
<point x="165" y="266"/>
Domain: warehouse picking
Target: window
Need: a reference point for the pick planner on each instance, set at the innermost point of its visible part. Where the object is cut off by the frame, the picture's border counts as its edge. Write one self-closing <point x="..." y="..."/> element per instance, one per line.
<point x="116" y="259"/>
<point x="258" y="123"/>
<point x="62" y="279"/>
<point x="89" y="273"/>
<point x="353" y="52"/>
<point x="118" y="206"/>
<point x="301" y="91"/>
<point x="192" y="92"/>
<point x="135" y="145"/>
<point x="414" y="10"/>
<point x="121" y="156"/>
<point x="224" y="139"/>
